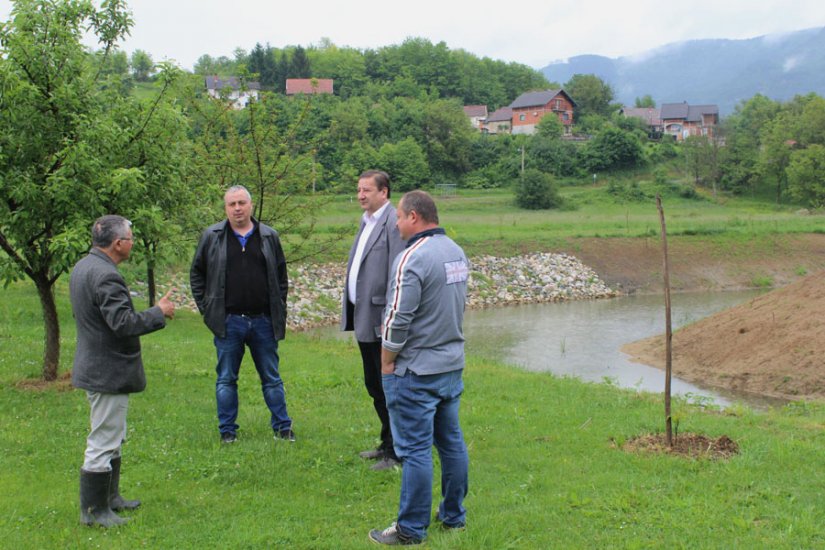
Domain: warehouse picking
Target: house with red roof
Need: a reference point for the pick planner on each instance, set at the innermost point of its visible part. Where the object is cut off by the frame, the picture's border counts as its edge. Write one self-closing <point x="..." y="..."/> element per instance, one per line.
<point x="308" y="86"/>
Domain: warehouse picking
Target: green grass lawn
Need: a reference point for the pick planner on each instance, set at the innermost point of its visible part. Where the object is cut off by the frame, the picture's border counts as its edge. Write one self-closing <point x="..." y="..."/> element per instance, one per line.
<point x="545" y="468"/>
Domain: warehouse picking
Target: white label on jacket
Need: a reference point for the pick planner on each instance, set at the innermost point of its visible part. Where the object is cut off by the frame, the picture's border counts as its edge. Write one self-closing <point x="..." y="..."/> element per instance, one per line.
<point x="456" y="272"/>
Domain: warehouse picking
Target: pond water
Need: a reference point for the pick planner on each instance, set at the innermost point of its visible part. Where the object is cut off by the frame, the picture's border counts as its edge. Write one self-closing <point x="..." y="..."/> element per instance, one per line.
<point x="583" y="338"/>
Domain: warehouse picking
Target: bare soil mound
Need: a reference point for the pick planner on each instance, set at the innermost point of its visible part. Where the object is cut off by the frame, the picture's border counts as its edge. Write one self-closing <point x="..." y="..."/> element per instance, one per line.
<point x="773" y="345"/>
<point x="700" y="263"/>
<point x="687" y="445"/>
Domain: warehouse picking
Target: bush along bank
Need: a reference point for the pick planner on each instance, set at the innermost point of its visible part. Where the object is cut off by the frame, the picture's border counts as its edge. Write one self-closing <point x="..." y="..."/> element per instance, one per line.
<point x="315" y="291"/>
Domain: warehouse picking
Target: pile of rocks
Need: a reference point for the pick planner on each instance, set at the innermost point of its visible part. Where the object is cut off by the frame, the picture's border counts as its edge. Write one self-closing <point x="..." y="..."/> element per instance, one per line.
<point x="315" y="291"/>
<point x="531" y="279"/>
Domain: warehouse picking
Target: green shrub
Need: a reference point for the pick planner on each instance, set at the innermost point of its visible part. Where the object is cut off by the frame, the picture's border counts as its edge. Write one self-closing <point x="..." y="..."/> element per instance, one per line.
<point x="536" y="190"/>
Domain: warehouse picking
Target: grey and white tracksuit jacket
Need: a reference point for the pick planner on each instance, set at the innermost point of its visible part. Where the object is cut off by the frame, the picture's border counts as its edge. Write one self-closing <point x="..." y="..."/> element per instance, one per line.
<point x="425" y="305"/>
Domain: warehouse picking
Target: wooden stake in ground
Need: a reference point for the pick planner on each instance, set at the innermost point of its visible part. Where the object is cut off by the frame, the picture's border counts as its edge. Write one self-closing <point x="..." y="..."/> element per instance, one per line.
<point x="668" y="331"/>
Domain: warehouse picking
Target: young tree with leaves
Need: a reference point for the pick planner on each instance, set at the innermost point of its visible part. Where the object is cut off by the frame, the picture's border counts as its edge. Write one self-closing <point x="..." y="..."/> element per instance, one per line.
<point x="250" y="148"/>
<point x="60" y="127"/>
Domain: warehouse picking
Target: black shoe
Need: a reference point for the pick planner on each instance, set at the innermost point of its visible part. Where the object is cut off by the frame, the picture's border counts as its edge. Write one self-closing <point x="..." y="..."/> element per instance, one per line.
<point x="286" y="435"/>
<point x="460" y="526"/>
<point x="228" y="437"/>
<point x="392" y="536"/>
<point x="372" y="454"/>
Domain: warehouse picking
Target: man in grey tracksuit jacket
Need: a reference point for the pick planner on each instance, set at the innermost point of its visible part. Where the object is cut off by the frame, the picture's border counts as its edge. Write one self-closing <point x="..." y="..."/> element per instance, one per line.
<point x="422" y="361"/>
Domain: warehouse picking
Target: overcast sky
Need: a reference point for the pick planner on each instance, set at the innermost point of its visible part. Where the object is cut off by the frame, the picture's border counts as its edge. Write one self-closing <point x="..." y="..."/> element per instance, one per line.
<point x="533" y="32"/>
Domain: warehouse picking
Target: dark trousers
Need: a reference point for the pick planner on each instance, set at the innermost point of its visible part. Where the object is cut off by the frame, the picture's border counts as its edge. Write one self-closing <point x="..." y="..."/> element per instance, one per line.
<point x="371" y="356"/>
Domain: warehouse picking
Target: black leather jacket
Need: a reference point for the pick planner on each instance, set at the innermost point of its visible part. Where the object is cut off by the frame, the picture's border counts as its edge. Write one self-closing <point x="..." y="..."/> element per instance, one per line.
<point x="207" y="277"/>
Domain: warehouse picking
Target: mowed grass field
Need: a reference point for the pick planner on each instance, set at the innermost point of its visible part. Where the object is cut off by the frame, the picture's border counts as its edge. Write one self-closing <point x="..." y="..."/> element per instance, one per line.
<point x="547" y="465"/>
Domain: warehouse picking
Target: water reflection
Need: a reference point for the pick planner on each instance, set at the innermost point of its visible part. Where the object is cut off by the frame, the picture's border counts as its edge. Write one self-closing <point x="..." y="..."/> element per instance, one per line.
<point x="583" y="338"/>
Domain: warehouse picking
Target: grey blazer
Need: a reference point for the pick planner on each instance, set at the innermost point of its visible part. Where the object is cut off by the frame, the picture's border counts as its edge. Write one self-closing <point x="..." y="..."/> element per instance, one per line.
<point x="383" y="246"/>
<point x="107" y="358"/>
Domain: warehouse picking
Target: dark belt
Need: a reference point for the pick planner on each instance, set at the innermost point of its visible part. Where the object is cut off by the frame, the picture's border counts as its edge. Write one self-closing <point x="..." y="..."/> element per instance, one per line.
<point x="250" y="315"/>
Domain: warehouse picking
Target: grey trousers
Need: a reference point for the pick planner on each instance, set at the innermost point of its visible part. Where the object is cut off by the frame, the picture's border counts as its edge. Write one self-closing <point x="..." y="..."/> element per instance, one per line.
<point x="108" y="429"/>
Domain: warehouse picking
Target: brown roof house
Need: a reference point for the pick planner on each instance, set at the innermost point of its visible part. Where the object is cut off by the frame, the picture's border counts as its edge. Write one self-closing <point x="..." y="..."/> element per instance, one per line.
<point x="500" y="121"/>
<point x="477" y="114"/>
<point x="233" y="90"/>
<point x="530" y="107"/>
<point x="682" y="120"/>
<point x="308" y="86"/>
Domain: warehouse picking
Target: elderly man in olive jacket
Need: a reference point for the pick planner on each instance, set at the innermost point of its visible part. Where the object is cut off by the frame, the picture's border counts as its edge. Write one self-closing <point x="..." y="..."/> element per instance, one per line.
<point x="107" y="363"/>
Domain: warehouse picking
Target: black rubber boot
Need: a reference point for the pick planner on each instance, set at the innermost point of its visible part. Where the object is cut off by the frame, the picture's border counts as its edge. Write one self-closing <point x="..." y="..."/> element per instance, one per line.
<point x="117" y="502"/>
<point x="94" y="500"/>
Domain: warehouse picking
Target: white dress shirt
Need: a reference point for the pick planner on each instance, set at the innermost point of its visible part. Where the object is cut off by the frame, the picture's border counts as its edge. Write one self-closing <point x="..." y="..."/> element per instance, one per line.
<point x="369" y="224"/>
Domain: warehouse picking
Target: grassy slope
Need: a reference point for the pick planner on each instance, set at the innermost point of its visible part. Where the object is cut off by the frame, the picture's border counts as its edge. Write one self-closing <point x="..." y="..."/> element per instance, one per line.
<point x="487" y="222"/>
<point x="544" y="469"/>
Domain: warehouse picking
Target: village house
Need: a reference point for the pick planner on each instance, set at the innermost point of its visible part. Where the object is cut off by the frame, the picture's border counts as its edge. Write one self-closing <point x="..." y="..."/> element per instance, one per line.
<point x="477" y="115"/>
<point x="529" y="108"/>
<point x="651" y="116"/>
<point x="231" y="88"/>
<point x="308" y="86"/>
<point x="500" y="121"/>
<point x="681" y="120"/>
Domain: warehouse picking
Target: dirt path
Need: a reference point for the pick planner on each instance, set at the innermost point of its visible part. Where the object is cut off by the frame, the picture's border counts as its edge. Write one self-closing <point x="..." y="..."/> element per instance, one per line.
<point x="773" y="345"/>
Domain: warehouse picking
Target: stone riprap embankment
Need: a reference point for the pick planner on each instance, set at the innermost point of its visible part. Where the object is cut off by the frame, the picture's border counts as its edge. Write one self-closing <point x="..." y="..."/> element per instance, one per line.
<point x="315" y="291"/>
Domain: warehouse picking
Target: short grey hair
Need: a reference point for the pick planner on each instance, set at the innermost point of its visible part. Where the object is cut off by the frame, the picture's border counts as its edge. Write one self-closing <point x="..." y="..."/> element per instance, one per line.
<point x="236" y="188"/>
<point x="422" y="203"/>
<point x="108" y="229"/>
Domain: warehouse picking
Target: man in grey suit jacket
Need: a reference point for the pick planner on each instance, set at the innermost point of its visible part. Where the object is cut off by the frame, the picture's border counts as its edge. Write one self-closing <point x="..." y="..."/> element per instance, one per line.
<point x="107" y="363"/>
<point x="370" y="260"/>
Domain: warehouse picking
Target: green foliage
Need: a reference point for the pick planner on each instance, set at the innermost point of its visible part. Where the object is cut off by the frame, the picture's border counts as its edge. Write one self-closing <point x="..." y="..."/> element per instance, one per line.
<point x="627" y="191"/>
<point x="762" y="281"/>
<point x="550" y="127"/>
<point x="613" y="149"/>
<point x="406" y="164"/>
<point x="645" y="101"/>
<point x="806" y="175"/>
<point x="554" y="156"/>
<point x="249" y="147"/>
<point x="64" y="115"/>
<point x="661" y="151"/>
<point x="261" y="62"/>
<point x="536" y="190"/>
<point x="299" y="66"/>
<point x="142" y="65"/>
<point x="590" y="124"/>
<point x="593" y="96"/>
<point x="738" y="162"/>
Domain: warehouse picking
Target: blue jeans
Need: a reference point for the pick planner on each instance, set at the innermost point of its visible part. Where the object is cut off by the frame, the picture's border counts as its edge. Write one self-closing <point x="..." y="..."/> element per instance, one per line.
<point x="255" y="332"/>
<point x="424" y="412"/>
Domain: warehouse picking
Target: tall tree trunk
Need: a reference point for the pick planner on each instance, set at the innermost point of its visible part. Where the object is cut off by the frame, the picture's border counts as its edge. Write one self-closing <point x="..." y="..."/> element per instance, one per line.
<point x="150" y="281"/>
<point x="51" y="352"/>
<point x="150" y="272"/>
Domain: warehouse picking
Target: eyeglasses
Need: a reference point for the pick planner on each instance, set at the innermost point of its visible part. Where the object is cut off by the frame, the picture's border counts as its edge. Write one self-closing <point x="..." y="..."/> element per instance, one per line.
<point x="125" y="239"/>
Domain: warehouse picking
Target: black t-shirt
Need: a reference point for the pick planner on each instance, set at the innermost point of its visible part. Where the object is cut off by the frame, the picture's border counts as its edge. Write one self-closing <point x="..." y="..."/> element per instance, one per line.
<point x="247" y="289"/>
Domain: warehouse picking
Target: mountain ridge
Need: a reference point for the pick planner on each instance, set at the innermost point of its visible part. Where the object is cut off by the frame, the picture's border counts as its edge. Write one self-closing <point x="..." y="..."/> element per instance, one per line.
<point x="719" y="71"/>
